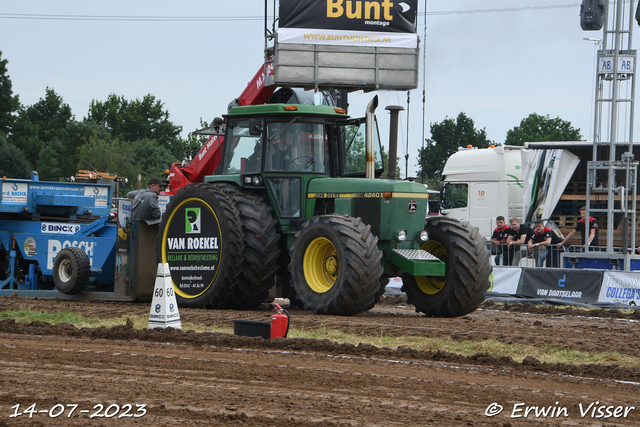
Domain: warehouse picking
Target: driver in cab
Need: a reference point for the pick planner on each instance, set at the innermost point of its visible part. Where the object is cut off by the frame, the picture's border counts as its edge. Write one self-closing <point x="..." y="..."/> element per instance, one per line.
<point x="284" y="151"/>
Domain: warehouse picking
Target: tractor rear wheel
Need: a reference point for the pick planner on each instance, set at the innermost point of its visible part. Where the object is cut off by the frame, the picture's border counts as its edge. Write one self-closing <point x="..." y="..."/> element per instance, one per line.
<point x="335" y="265"/>
<point x="71" y="270"/>
<point x="461" y="247"/>
<point x="260" y="256"/>
<point x="201" y="239"/>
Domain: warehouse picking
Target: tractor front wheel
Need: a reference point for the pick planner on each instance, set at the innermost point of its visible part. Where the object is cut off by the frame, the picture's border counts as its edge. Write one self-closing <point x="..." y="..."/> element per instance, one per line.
<point x="464" y="252"/>
<point x="335" y="265"/>
<point x="201" y="239"/>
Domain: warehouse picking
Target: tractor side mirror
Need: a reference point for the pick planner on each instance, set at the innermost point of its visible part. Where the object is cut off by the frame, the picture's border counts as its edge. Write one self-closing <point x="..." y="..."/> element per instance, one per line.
<point x="255" y="127"/>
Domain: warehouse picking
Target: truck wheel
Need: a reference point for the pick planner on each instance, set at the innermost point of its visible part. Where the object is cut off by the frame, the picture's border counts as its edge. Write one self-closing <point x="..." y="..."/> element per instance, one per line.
<point x="71" y="270"/>
<point x="467" y="259"/>
<point x="260" y="256"/>
<point x="335" y="265"/>
<point x="200" y="237"/>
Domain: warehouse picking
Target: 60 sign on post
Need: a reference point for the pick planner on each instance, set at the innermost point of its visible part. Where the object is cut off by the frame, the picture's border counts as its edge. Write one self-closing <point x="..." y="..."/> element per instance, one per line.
<point x="98" y="411"/>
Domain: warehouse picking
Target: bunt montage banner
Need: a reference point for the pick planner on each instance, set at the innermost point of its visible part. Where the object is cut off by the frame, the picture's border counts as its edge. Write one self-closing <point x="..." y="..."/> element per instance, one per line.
<point x="382" y="23"/>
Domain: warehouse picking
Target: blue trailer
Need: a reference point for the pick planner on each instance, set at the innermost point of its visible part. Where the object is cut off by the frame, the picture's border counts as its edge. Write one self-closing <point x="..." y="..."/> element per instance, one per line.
<point x="58" y="239"/>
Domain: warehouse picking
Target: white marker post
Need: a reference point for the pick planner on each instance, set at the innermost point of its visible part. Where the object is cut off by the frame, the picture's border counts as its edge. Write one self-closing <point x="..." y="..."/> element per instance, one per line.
<point x="164" y="307"/>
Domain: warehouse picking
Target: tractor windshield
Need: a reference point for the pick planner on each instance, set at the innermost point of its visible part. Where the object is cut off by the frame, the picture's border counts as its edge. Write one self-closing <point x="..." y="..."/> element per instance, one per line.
<point x="243" y="151"/>
<point x="296" y="146"/>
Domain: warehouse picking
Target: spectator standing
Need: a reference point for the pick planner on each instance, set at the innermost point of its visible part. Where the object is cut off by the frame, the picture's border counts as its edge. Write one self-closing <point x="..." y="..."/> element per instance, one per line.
<point x="541" y="245"/>
<point x="145" y="202"/>
<point x="581" y="227"/>
<point x="499" y="238"/>
<point x="518" y="234"/>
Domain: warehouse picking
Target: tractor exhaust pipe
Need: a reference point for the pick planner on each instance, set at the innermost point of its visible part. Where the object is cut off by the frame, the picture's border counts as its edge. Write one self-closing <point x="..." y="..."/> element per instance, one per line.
<point x="394" y="110"/>
<point x="370" y="171"/>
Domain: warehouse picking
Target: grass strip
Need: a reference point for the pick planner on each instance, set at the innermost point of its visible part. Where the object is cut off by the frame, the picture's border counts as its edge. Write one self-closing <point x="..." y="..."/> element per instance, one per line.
<point x="518" y="352"/>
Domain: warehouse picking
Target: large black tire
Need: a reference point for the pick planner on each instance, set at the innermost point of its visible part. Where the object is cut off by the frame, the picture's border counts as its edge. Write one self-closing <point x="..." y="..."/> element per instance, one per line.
<point x="219" y="221"/>
<point x="384" y="281"/>
<point x="335" y="265"/>
<point x="71" y="270"/>
<point x="261" y="252"/>
<point x="464" y="251"/>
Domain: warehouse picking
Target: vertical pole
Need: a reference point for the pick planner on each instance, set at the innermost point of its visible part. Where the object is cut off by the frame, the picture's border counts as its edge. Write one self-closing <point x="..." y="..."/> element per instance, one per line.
<point x="393" y="140"/>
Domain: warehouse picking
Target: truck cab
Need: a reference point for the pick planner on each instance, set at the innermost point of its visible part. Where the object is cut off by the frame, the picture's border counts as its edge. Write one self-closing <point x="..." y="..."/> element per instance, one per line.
<point x="481" y="184"/>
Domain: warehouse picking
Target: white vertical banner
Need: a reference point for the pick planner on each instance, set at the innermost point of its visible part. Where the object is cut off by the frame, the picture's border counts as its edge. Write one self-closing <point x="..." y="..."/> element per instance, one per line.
<point x="505" y="280"/>
<point x="164" y="307"/>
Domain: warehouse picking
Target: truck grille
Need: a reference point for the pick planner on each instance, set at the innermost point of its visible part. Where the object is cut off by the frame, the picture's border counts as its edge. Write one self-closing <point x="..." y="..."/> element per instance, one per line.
<point x="369" y="211"/>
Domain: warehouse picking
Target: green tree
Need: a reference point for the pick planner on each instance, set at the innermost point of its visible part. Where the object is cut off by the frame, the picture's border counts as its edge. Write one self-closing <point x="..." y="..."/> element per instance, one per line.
<point x="51" y="115"/>
<point x="108" y="155"/>
<point x="13" y="163"/>
<point x="24" y="136"/>
<point x="60" y="160"/>
<point x="136" y="120"/>
<point x="446" y="137"/>
<point x="542" y="128"/>
<point x="9" y="103"/>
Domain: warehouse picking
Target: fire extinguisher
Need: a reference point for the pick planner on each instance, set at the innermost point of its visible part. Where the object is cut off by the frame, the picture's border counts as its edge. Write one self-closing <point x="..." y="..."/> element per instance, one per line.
<point x="279" y="322"/>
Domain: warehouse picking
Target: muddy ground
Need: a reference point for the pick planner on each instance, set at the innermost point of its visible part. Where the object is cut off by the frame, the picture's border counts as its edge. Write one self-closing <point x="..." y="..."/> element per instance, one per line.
<point x="187" y="378"/>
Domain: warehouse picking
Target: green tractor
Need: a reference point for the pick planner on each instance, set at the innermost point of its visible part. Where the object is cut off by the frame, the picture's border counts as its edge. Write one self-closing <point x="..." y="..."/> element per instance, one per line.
<point x="297" y="199"/>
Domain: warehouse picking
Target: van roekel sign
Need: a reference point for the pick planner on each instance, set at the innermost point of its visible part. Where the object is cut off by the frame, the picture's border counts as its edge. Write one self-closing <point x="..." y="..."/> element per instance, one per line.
<point x="349" y="22"/>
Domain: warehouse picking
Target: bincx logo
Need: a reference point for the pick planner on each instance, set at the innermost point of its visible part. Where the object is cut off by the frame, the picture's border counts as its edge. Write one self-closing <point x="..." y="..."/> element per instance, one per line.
<point x="192" y="221"/>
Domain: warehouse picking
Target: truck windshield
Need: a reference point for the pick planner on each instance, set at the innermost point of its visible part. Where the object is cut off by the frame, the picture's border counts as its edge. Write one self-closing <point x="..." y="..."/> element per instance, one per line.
<point x="454" y="196"/>
<point x="296" y="146"/>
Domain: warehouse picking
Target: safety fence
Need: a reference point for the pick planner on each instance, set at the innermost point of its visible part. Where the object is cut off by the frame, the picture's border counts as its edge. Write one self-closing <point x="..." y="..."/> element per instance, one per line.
<point x="541" y="256"/>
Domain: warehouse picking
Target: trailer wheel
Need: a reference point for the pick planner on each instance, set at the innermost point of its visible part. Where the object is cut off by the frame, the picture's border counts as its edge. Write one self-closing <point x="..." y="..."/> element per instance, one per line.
<point x="335" y="265"/>
<point x="71" y="270"/>
<point x="468" y="268"/>
<point x="200" y="237"/>
<point x="260" y="255"/>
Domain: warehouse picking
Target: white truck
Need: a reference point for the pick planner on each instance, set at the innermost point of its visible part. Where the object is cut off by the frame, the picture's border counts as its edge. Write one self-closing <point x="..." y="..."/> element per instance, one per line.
<point x="481" y="184"/>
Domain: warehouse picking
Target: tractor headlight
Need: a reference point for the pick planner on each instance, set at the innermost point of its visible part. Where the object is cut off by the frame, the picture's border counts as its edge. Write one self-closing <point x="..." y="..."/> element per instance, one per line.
<point x="424" y="236"/>
<point x="256" y="180"/>
<point x="402" y="235"/>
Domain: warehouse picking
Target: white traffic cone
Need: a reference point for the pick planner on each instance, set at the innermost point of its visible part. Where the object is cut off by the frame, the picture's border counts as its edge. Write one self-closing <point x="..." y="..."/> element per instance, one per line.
<point x="164" y="307"/>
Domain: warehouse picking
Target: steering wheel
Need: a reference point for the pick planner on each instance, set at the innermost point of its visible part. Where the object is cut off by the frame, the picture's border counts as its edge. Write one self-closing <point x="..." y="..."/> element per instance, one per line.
<point x="297" y="163"/>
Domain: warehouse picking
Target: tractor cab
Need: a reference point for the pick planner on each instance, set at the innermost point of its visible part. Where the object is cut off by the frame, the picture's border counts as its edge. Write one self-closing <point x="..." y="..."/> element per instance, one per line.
<point x="282" y="147"/>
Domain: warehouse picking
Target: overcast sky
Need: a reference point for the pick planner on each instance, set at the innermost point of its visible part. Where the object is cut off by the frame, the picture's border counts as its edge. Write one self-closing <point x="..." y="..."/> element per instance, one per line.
<point x="495" y="64"/>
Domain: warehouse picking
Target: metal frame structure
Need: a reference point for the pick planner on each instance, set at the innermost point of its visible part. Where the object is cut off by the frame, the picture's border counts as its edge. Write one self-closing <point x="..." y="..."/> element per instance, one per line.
<point x="615" y="176"/>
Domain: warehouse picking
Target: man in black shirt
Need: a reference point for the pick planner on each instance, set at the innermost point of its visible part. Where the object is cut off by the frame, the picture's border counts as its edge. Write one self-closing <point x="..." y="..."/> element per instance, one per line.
<point x="581" y="227"/>
<point x="499" y="238"/>
<point x="517" y="235"/>
<point x="541" y="244"/>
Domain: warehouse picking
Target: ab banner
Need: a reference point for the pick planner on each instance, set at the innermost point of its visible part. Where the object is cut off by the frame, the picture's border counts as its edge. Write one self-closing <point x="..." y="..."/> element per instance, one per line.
<point x="620" y="288"/>
<point x="354" y="22"/>
<point x="581" y="286"/>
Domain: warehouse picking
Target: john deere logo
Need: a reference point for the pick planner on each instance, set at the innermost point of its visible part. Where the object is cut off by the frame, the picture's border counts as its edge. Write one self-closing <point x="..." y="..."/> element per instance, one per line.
<point x="413" y="207"/>
<point x="192" y="221"/>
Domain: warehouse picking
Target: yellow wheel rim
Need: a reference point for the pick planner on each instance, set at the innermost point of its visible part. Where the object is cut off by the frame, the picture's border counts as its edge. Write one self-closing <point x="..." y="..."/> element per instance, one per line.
<point x="433" y="285"/>
<point x="320" y="265"/>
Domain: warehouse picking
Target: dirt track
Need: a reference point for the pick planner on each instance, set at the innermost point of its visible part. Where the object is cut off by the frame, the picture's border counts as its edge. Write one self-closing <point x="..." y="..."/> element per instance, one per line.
<point x="221" y="379"/>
